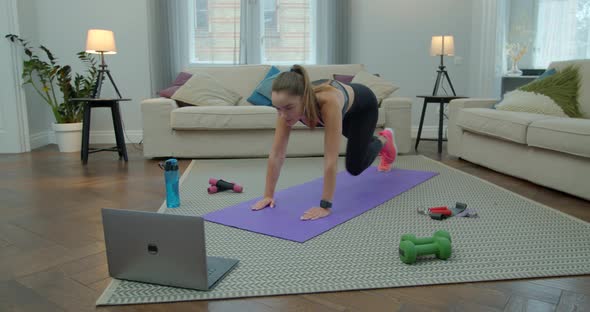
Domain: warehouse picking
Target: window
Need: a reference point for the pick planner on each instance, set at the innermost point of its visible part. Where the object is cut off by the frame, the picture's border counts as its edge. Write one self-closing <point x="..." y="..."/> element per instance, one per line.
<point x="252" y="31"/>
<point x="562" y="31"/>
<point x="216" y="36"/>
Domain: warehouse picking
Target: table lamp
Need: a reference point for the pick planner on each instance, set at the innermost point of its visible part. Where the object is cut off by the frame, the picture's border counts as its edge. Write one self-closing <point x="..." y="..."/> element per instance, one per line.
<point x="441" y="46"/>
<point x="101" y="41"/>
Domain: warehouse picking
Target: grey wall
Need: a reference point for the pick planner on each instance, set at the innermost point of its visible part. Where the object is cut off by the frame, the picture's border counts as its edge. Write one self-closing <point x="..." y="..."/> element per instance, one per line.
<point x="39" y="113"/>
<point x="392" y="37"/>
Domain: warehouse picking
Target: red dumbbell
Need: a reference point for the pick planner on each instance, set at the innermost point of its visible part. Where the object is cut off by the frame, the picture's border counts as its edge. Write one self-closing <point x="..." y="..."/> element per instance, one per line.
<point x="442" y="210"/>
<point x="218" y="185"/>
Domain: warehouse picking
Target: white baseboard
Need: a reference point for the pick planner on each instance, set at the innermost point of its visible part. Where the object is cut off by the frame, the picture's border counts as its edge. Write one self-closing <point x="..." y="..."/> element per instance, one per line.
<point x="428" y="132"/>
<point x="43" y="138"/>
<point x="135" y="136"/>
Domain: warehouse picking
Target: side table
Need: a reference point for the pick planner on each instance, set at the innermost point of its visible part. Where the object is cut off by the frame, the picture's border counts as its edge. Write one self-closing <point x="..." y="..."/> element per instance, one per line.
<point x="441" y="100"/>
<point x="113" y="104"/>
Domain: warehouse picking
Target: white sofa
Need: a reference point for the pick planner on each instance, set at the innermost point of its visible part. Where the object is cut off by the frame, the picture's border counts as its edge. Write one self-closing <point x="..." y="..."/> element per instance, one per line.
<point x="246" y="130"/>
<point x="550" y="151"/>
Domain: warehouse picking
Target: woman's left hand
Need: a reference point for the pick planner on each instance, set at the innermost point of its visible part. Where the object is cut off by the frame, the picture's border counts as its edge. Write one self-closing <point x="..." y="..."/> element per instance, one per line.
<point x="315" y="213"/>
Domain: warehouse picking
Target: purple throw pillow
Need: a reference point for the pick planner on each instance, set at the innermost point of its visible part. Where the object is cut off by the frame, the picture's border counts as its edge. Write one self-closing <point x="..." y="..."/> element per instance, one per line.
<point x="344" y="78"/>
<point x="181" y="79"/>
<point x="168" y="92"/>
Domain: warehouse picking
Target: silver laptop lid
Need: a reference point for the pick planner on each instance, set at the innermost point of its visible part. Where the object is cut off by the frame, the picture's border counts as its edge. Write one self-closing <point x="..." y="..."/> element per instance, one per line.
<point x="156" y="248"/>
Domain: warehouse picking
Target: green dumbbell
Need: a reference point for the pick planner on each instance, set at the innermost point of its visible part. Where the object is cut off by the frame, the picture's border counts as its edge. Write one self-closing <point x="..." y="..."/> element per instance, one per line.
<point x="408" y="251"/>
<point x="425" y="240"/>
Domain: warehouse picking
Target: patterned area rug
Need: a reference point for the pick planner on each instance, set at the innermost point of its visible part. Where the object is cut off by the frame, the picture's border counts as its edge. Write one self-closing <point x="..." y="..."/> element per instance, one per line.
<point x="513" y="237"/>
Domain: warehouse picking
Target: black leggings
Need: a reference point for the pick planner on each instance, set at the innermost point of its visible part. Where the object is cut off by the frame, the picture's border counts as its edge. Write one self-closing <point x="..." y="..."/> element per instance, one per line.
<point x="359" y="126"/>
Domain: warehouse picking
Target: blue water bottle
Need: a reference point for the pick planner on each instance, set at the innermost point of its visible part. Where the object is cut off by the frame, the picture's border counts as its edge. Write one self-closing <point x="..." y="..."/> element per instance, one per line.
<point x="171" y="177"/>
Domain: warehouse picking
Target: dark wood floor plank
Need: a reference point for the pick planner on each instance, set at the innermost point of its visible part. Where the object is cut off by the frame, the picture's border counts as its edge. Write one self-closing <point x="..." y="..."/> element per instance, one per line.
<point x="573" y="302"/>
<point x="579" y="284"/>
<point x="526" y="289"/>
<point x="16" y="297"/>
<point x="524" y="304"/>
<point x="61" y="290"/>
<point x="294" y="303"/>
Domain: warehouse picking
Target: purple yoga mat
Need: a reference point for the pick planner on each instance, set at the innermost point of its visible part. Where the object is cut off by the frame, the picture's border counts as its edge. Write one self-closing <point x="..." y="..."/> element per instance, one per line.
<point x="353" y="196"/>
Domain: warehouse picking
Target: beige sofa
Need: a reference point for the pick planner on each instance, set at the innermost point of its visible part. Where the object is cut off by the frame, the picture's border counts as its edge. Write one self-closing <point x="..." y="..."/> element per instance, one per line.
<point x="550" y="151"/>
<point x="247" y="130"/>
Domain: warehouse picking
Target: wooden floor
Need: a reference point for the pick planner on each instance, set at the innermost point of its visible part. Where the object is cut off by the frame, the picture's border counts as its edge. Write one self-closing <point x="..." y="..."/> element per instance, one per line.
<point x="52" y="253"/>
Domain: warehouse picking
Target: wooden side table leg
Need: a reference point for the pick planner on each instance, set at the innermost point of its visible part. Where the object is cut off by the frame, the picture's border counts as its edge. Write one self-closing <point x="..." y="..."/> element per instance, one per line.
<point x="421" y="124"/>
<point x="85" y="133"/>
<point x="119" y="136"/>
<point x="440" y="125"/>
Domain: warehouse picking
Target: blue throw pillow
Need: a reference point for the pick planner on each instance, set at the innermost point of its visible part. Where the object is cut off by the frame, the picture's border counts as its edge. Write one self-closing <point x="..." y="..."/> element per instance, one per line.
<point x="547" y="73"/>
<point x="262" y="93"/>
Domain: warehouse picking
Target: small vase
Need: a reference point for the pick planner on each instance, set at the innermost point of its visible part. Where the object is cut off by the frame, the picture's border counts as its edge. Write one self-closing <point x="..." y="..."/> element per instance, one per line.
<point x="514" y="71"/>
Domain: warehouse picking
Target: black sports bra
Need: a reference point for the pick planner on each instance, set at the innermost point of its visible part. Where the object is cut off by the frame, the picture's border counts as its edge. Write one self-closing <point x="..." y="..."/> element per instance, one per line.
<point x="336" y="84"/>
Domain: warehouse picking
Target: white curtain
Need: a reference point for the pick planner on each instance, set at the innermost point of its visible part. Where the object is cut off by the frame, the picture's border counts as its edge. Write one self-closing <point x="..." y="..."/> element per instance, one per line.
<point x="179" y="32"/>
<point x="332" y="32"/>
<point x="562" y="31"/>
<point x="489" y="21"/>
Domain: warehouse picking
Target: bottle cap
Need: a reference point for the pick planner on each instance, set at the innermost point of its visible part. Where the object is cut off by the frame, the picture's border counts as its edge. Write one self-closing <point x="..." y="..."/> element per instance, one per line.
<point x="171" y="164"/>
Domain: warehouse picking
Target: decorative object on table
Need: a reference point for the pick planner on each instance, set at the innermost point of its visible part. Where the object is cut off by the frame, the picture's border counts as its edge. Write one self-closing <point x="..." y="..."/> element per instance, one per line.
<point x="515" y="51"/>
<point x="53" y="83"/>
<point x="441" y="46"/>
<point x="555" y="94"/>
<point x="101" y="41"/>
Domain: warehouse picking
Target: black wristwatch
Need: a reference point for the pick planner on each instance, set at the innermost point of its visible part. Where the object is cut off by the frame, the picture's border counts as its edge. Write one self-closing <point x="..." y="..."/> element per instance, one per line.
<point x="325" y="204"/>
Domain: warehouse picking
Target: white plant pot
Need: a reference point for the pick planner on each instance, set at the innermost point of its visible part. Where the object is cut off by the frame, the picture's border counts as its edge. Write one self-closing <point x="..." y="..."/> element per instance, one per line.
<point x="68" y="136"/>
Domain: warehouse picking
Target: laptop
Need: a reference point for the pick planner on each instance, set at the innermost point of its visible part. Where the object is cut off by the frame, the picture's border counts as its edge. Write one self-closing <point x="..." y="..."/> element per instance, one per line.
<point x="161" y="249"/>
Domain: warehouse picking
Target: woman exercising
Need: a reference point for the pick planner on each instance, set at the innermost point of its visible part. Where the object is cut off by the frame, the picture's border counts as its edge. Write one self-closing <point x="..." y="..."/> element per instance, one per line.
<point x="351" y="110"/>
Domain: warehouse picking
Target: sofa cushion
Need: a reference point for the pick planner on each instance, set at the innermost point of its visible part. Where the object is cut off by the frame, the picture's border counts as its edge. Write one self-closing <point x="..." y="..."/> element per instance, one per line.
<point x="530" y="102"/>
<point x="317" y="72"/>
<point x="202" y="89"/>
<point x="511" y="126"/>
<point x="584" y="92"/>
<point x="344" y="78"/>
<point x="232" y="117"/>
<point x="567" y="135"/>
<point x="223" y="117"/>
<point x="241" y="78"/>
<point x="262" y="94"/>
<point x="181" y="79"/>
<point x="562" y="88"/>
<point x="381" y="87"/>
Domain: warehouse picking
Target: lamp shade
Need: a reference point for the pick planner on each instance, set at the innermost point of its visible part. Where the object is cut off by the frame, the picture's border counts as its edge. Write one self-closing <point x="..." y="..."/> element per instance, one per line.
<point x="100" y="40"/>
<point x="442" y="45"/>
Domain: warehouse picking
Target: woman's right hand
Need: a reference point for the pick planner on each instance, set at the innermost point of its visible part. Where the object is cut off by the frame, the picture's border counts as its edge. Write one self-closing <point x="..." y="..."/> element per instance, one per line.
<point x="263" y="203"/>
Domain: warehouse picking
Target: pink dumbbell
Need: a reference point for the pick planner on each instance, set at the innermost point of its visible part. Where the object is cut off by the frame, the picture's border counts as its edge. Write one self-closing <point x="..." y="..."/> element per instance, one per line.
<point x="218" y="185"/>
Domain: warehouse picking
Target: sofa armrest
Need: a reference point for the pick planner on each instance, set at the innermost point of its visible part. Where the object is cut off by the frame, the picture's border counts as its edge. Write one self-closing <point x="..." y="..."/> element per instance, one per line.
<point x="455" y="132"/>
<point x="156" y="124"/>
<point x="398" y="116"/>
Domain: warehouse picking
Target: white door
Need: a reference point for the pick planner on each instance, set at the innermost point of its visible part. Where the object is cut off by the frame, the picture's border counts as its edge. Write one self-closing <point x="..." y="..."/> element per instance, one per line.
<point x="14" y="136"/>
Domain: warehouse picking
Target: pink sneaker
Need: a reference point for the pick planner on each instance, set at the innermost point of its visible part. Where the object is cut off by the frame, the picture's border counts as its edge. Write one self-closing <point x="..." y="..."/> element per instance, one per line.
<point x="389" y="151"/>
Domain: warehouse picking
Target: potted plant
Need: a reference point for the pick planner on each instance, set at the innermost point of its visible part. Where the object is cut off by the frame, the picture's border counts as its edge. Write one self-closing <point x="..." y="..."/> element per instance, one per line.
<point x="53" y="83"/>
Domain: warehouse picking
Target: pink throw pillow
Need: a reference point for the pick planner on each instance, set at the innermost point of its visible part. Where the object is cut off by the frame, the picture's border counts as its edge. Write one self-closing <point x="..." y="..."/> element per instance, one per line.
<point x="344" y="78"/>
<point x="181" y="79"/>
